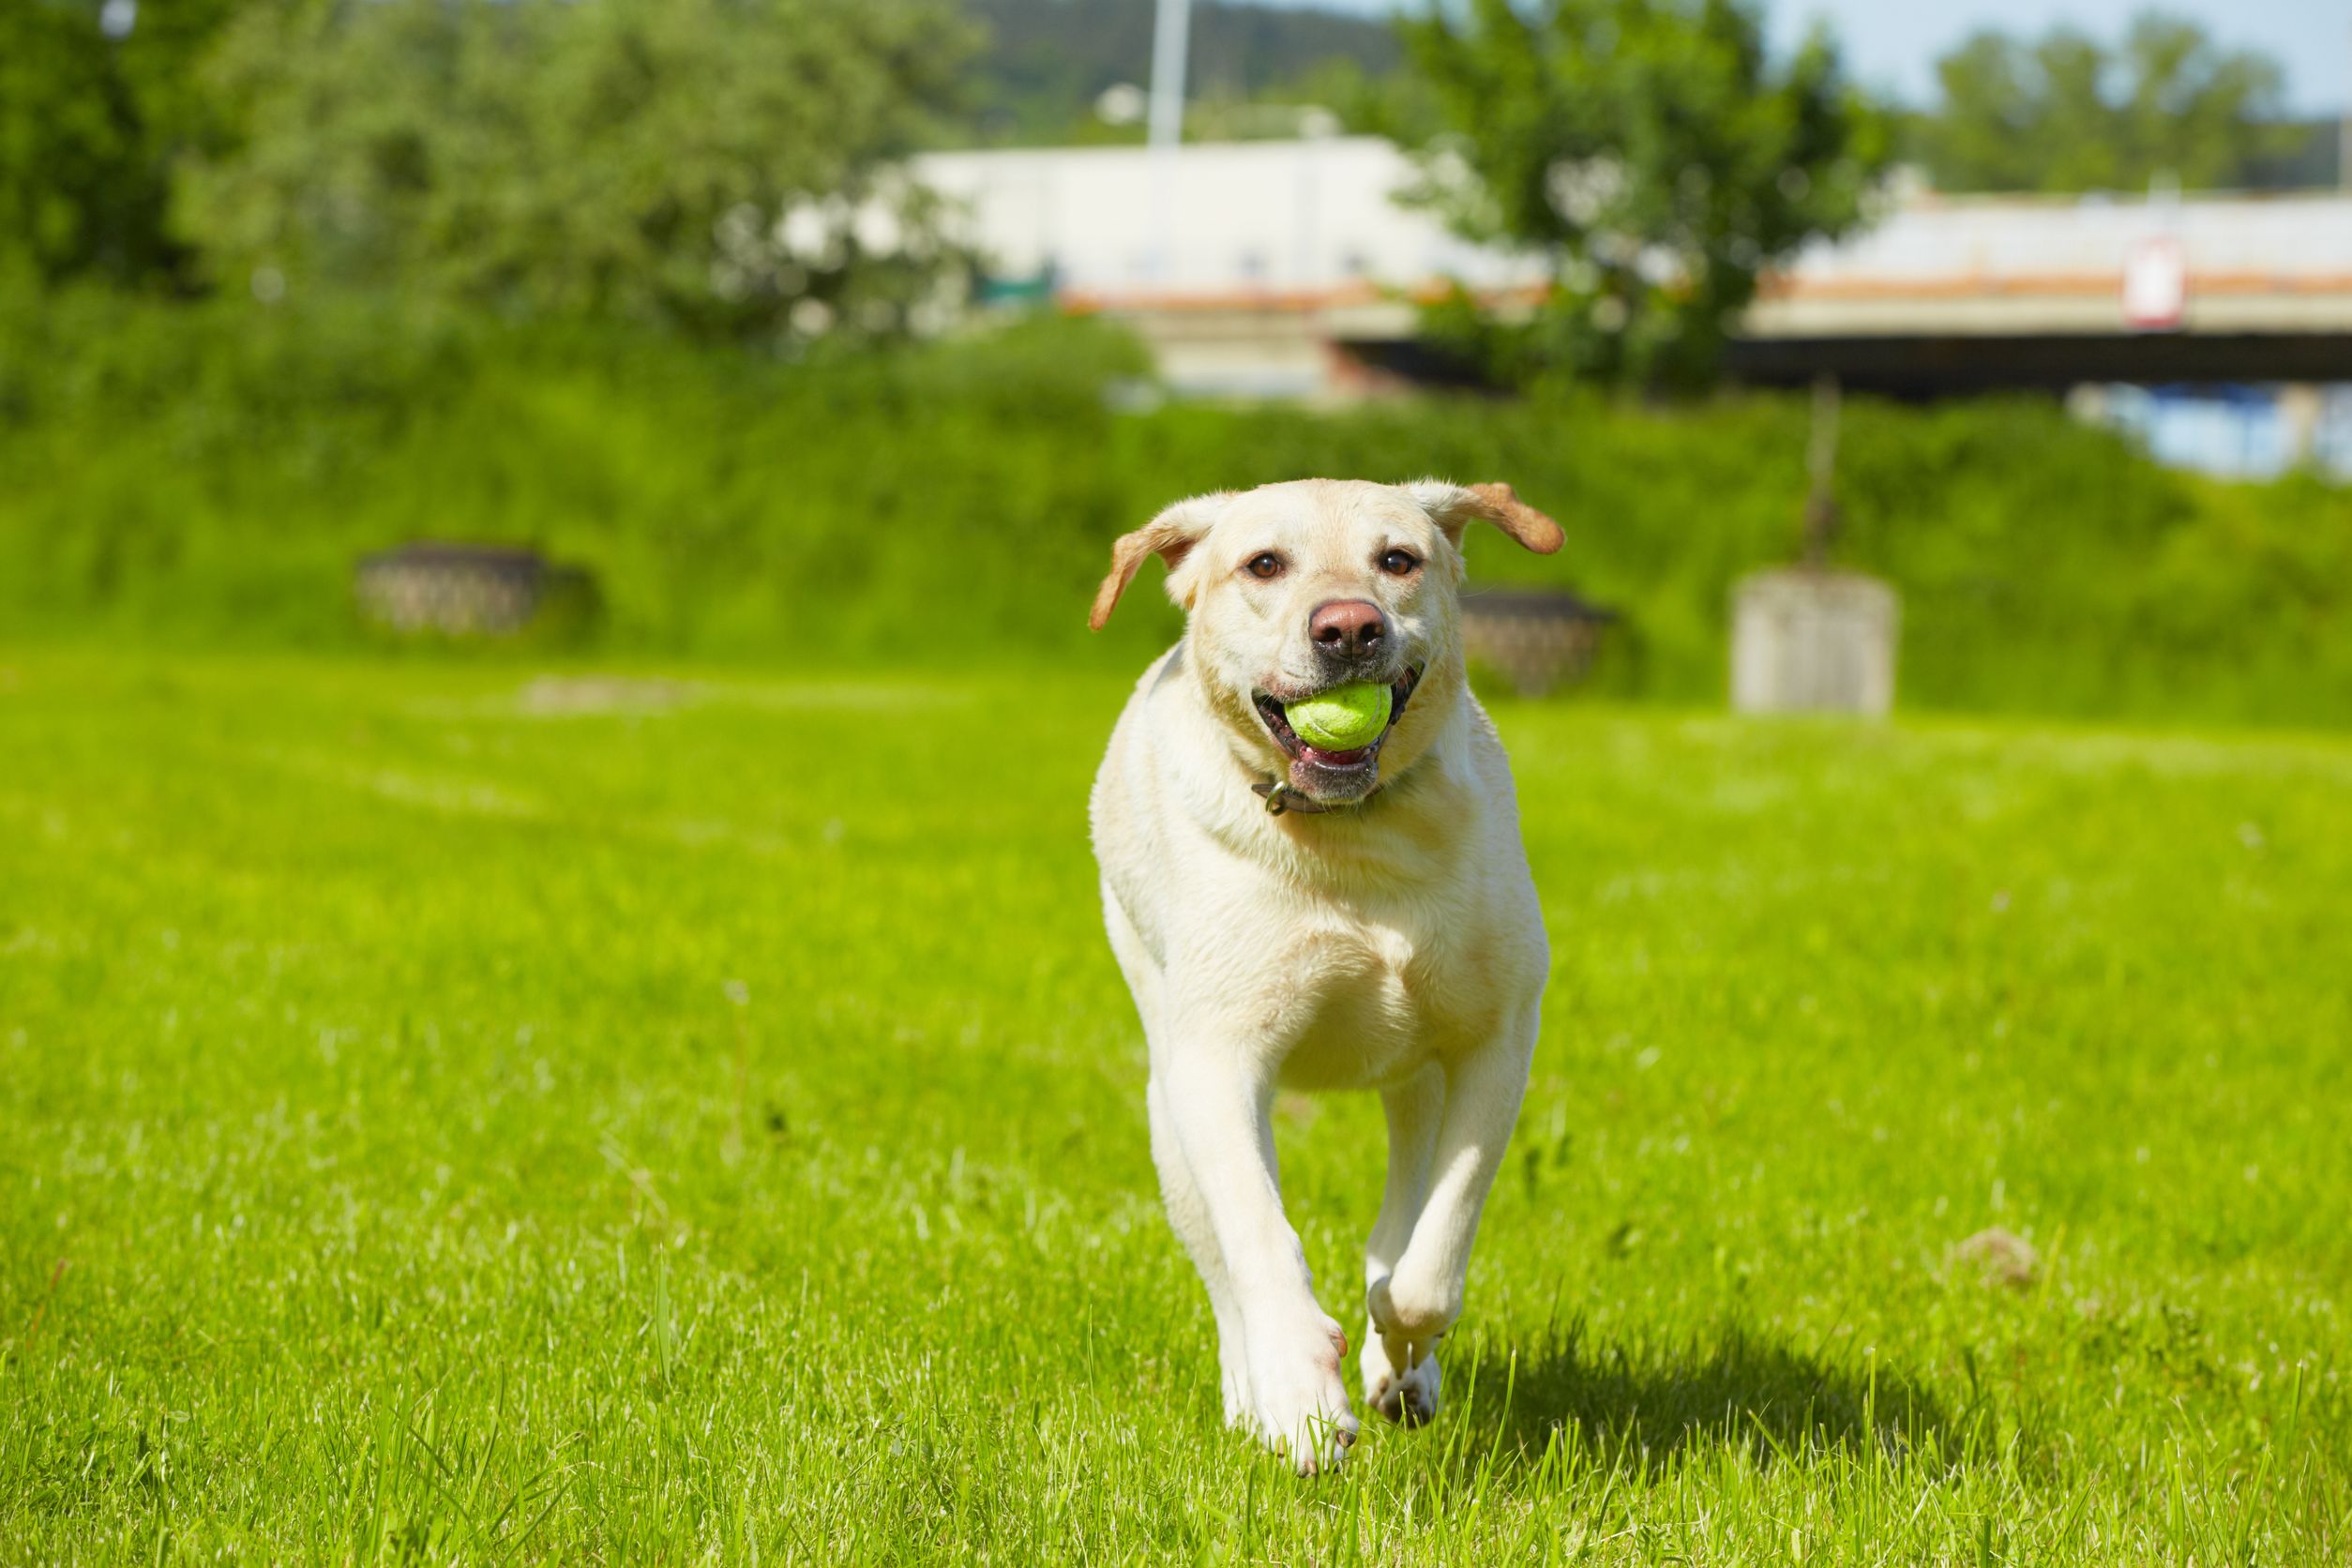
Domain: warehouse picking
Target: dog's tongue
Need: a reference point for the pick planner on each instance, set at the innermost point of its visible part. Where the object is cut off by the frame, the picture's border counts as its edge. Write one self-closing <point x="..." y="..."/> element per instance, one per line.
<point x="1334" y="759"/>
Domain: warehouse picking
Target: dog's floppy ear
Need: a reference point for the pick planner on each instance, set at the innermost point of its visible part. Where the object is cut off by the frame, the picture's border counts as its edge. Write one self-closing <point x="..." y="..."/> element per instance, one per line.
<point x="1170" y="536"/>
<point x="1453" y="508"/>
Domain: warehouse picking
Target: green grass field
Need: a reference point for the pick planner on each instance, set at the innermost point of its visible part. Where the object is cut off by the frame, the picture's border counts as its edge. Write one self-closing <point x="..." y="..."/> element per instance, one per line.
<point x="446" y="1114"/>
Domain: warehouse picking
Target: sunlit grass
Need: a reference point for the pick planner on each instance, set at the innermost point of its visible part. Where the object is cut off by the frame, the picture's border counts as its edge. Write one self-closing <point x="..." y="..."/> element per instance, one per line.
<point x="446" y="1116"/>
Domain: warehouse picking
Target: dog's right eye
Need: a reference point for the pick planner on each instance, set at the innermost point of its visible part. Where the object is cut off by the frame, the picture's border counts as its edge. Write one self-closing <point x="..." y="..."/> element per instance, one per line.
<point x="1265" y="564"/>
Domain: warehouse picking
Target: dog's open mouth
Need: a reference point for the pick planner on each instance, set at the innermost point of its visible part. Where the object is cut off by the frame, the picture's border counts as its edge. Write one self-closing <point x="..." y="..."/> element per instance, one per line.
<point x="1364" y="758"/>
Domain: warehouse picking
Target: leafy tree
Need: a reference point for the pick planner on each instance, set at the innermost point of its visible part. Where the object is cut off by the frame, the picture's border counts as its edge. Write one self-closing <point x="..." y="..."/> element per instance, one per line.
<point x="68" y="145"/>
<point x="724" y="166"/>
<point x="89" y="123"/>
<point x="2065" y="113"/>
<point x="1652" y="153"/>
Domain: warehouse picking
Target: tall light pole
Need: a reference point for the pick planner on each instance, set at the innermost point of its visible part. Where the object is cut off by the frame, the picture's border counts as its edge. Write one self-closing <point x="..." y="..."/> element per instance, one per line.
<point x="1172" y="42"/>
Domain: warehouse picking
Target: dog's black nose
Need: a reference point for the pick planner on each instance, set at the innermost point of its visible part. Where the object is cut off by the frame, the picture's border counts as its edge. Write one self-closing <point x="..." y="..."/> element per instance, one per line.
<point x="1349" y="626"/>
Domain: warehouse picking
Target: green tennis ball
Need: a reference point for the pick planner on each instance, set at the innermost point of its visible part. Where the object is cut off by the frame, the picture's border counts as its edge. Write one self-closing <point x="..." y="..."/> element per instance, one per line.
<point x="1343" y="719"/>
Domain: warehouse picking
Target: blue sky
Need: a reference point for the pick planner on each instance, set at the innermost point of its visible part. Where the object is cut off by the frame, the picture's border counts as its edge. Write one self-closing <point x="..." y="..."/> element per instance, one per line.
<point x="1892" y="44"/>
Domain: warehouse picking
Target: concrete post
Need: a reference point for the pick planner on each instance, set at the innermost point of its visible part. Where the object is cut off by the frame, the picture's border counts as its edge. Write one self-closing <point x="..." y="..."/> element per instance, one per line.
<point x="1811" y="641"/>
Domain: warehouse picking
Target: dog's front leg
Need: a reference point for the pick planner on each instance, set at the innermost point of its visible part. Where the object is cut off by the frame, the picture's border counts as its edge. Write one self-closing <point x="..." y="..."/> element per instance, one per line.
<point x="1418" y="1300"/>
<point x="1217" y="1102"/>
<point x="1188" y="1213"/>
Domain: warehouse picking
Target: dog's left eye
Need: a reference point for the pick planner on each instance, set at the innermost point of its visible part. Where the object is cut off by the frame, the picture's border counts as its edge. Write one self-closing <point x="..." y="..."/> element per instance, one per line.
<point x="1399" y="563"/>
<point x="1265" y="564"/>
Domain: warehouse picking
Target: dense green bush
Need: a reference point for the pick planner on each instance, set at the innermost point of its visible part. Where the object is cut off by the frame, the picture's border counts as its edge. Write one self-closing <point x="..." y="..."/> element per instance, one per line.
<point x="209" y="473"/>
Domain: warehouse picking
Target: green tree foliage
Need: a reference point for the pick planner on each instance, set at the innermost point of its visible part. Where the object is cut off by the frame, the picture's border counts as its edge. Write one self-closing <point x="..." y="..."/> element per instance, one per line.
<point x="1653" y="154"/>
<point x="90" y="123"/>
<point x="723" y="167"/>
<point x="2066" y="113"/>
<point x="69" y="147"/>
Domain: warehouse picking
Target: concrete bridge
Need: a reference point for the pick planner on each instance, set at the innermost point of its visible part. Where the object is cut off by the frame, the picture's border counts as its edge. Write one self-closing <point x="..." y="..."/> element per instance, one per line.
<point x="1962" y="294"/>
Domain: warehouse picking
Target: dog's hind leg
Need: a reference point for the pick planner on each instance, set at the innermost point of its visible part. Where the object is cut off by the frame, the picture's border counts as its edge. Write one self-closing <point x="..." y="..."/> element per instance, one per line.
<point x="1189" y="1216"/>
<point x="1399" y="1390"/>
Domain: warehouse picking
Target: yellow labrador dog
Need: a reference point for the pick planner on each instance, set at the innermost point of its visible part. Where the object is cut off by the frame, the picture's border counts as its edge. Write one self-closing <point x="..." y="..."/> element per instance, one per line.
<point x="1298" y="919"/>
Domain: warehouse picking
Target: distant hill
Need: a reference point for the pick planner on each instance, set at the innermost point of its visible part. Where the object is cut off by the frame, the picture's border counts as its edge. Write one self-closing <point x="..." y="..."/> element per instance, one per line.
<point x="1046" y="61"/>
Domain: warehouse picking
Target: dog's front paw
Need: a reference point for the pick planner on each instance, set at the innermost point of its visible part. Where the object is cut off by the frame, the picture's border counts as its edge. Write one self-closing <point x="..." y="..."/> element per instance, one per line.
<point x="1400" y="1382"/>
<point x="1400" y="1350"/>
<point x="1299" y="1402"/>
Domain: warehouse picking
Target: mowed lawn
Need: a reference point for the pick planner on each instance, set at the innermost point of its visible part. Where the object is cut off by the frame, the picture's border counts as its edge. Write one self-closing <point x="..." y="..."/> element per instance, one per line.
<point x="450" y="1112"/>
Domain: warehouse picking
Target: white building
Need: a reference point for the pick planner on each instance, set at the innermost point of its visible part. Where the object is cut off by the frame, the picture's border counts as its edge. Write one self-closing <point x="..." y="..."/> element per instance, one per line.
<point x="1269" y="268"/>
<point x="1210" y="221"/>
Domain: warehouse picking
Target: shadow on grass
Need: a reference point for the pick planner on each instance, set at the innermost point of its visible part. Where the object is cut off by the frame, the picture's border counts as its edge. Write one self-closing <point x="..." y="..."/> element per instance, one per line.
<point x="1639" y="1410"/>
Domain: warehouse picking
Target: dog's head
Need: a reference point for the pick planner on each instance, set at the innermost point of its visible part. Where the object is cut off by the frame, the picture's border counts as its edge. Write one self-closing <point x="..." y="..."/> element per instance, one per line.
<point x="1294" y="589"/>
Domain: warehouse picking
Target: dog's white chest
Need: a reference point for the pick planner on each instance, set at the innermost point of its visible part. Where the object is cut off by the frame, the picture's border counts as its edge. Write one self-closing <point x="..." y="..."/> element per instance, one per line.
<point x="1366" y="1003"/>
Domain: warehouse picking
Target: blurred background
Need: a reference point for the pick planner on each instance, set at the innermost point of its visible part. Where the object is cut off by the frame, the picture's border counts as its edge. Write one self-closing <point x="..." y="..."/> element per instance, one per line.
<point x="849" y="332"/>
